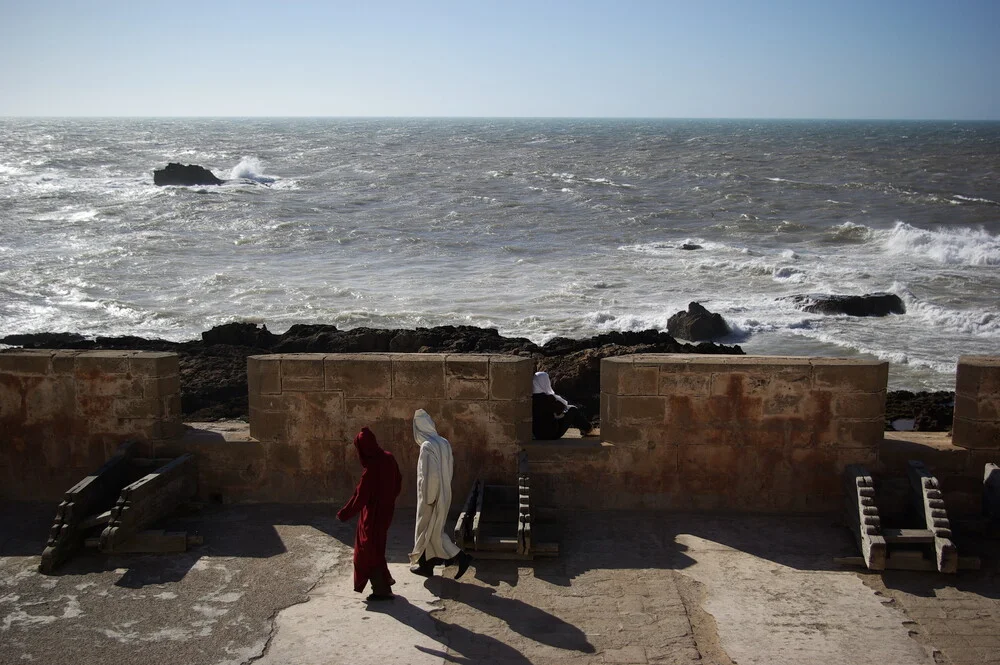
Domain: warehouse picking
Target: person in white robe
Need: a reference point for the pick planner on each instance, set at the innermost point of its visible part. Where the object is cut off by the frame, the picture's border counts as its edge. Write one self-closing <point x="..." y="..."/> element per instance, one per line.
<point x="435" y="468"/>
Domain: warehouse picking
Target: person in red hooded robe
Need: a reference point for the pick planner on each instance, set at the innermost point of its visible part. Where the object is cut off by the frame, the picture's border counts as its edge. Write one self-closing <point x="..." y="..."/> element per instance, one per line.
<point x="375" y="498"/>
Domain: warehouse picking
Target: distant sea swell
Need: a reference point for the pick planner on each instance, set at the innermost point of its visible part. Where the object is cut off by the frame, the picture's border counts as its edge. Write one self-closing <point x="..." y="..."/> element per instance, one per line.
<point x="536" y="227"/>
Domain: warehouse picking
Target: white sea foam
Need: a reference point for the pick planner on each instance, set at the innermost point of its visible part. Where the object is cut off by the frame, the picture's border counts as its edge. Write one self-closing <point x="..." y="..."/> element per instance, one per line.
<point x="250" y="168"/>
<point x="962" y="246"/>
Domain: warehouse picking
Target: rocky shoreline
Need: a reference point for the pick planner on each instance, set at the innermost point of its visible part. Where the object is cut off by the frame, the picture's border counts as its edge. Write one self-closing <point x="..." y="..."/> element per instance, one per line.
<point x="214" y="376"/>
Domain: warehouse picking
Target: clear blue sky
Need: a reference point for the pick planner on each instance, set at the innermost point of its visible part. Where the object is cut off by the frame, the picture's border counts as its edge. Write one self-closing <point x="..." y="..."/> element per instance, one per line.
<point x="935" y="59"/>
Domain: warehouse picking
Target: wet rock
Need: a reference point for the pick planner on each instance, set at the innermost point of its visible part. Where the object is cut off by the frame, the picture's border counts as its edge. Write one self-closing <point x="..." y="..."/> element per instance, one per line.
<point x="927" y="411"/>
<point x="870" y="304"/>
<point x="240" y="334"/>
<point x="64" y="340"/>
<point x="690" y="246"/>
<point x="184" y="175"/>
<point x="697" y="324"/>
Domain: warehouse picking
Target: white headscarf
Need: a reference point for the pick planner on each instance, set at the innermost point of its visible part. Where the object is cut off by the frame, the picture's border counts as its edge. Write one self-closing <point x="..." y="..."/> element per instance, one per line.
<point x="540" y="383"/>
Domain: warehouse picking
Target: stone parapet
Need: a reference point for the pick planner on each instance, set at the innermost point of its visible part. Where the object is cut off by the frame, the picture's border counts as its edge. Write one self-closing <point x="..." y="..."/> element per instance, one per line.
<point x="754" y="433"/>
<point x="977" y="402"/>
<point x="306" y="409"/>
<point x="63" y="413"/>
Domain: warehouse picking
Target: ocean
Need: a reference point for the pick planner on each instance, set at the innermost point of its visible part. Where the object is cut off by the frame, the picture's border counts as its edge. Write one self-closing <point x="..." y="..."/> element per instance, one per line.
<point x="537" y="227"/>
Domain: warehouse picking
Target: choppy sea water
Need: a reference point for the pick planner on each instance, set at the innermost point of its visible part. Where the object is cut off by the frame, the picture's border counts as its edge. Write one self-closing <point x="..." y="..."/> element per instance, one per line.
<point x="535" y="227"/>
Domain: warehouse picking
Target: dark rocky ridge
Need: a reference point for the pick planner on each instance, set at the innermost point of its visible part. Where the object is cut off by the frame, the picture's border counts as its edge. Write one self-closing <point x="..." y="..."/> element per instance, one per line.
<point x="214" y="375"/>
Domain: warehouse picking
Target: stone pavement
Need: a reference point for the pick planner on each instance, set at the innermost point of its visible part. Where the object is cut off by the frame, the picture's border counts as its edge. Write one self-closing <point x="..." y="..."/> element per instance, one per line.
<point x="626" y="588"/>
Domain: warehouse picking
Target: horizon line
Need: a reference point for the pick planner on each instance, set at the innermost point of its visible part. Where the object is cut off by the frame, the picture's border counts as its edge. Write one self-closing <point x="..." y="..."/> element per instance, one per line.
<point x="488" y="117"/>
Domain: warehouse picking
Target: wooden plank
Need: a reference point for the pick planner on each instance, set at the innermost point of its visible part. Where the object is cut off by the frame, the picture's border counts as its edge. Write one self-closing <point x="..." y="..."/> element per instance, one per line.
<point x="90" y="496"/>
<point x="862" y="516"/>
<point x="991" y="492"/>
<point x="928" y="501"/>
<point x="99" y="519"/>
<point x="463" y="525"/>
<point x="477" y="516"/>
<point x="907" y="536"/>
<point x="148" y="500"/>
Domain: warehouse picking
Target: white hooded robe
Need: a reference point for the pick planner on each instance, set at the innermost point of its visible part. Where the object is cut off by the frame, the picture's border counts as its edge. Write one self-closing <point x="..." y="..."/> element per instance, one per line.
<point x="435" y="467"/>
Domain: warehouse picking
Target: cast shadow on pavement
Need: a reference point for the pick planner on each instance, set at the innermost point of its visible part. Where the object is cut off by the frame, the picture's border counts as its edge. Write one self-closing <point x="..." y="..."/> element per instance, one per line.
<point x="526" y="620"/>
<point x="468" y="647"/>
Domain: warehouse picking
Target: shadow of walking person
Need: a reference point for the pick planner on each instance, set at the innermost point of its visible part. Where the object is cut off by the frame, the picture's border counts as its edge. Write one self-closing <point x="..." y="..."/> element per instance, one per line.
<point x="527" y="620"/>
<point x="459" y="644"/>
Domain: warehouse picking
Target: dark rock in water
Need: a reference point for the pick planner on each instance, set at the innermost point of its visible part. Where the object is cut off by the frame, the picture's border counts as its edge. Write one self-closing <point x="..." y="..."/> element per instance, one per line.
<point x="240" y="334"/>
<point x="63" y="340"/>
<point x="697" y="324"/>
<point x="188" y="176"/>
<point x="930" y="412"/>
<point x="870" y="304"/>
<point x="690" y="245"/>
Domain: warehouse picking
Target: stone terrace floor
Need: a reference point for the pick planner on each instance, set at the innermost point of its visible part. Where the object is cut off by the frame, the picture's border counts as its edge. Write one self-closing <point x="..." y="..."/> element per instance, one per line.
<point x="272" y="584"/>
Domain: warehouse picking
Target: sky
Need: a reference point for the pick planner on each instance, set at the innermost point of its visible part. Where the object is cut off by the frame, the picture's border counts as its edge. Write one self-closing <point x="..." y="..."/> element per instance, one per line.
<point x="871" y="59"/>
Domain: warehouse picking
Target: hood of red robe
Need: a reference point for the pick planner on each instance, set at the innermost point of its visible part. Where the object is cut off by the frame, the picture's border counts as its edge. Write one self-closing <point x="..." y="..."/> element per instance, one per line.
<point x="367" y="445"/>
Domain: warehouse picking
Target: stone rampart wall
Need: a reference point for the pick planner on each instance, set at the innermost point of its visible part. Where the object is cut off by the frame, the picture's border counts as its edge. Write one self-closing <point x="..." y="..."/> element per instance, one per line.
<point x="305" y="410"/>
<point x="63" y="413"/>
<point x="977" y="403"/>
<point x="724" y="432"/>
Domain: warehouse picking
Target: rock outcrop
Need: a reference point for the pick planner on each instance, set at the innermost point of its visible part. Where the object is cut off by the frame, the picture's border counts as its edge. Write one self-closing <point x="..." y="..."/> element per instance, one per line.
<point x="870" y="304"/>
<point x="697" y="324"/>
<point x="214" y="370"/>
<point x="187" y="176"/>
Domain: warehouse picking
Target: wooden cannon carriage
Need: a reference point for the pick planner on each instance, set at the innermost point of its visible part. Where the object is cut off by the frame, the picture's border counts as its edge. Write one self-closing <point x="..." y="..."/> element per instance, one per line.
<point x="496" y="521"/>
<point x="925" y="543"/>
<point x="111" y="509"/>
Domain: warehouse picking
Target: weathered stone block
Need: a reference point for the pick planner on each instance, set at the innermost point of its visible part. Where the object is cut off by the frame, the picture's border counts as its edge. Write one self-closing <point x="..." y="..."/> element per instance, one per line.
<point x="92" y="363"/>
<point x="359" y="375"/>
<point x="610" y="368"/>
<point x="476" y="413"/>
<point x="468" y="389"/>
<point x="859" y="433"/>
<point x="46" y="401"/>
<point x="264" y="375"/>
<point x="469" y="366"/>
<point x="302" y="372"/>
<point x="859" y="405"/>
<point x="154" y="363"/>
<point x="269" y="426"/>
<point x="26" y="361"/>
<point x="110" y="385"/>
<point x="640" y="410"/>
<point x="510" y="378"/>
<point x="64" y="361"/>
<point x="975" y="433"/>
<point x="862" y="376"/>
<point x="510" y="411"/>
<point x="418" y="376"/>
<point x="980" y="374"/>
<point x="784" y="404"/>
<point x="739" y="385"/>
<point x="160" y="386"/>
<point x="694" y="384"/>
<point x="267" y="402"/>
<point x="638" y="380"/>
<point x="138" y="408"/>
<point x="315" y="416"/>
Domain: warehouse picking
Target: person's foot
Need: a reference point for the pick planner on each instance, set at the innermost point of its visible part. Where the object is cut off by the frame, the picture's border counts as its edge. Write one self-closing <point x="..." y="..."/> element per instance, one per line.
<point x="422" y="570"/>
<point x="463" y="563"/>
<point x="374" y="597"/>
